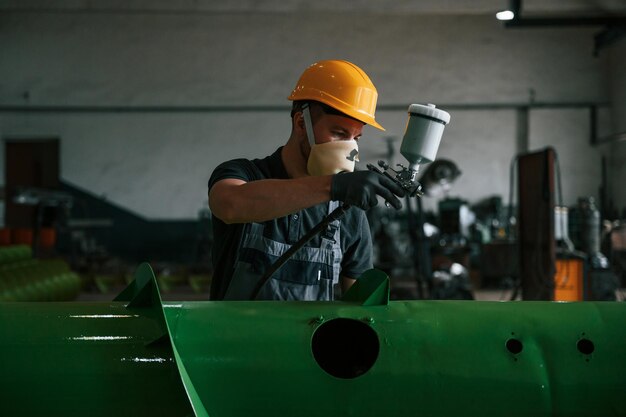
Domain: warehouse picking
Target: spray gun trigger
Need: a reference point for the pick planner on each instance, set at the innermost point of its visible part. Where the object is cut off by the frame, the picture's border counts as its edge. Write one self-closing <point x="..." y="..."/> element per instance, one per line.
<point x="373" y="168"/>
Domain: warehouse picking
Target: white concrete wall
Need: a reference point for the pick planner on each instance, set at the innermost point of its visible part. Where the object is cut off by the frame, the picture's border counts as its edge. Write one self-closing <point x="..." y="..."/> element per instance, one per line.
<point x="157" y="163"/>
<point x="568" y="132"/>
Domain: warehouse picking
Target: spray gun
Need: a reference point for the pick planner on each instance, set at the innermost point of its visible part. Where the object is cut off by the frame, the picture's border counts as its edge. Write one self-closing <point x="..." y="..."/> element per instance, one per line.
<point x="420" y="143"/>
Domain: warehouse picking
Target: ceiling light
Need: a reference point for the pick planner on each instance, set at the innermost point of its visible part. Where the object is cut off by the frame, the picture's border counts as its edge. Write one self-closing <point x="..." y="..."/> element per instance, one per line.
<point x="511" y="12"/>
<point x="505" y="15"/>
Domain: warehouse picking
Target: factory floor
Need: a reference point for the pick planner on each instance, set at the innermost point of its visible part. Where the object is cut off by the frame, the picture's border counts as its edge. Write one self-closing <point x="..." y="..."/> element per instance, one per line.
<point x="182" y="285"/>
<point x="188" y="294"/>
<point x="505" y="295"/>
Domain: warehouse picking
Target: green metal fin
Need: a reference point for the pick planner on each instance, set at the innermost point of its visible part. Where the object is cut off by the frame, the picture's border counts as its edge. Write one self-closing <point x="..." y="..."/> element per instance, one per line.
<point x="371" y="289"/>
<point x="143" y="291"/>
<point x="164" y="339"/>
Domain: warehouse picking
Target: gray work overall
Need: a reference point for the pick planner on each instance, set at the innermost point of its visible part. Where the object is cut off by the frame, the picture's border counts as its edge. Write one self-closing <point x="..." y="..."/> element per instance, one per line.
<point x="309" y="275"/>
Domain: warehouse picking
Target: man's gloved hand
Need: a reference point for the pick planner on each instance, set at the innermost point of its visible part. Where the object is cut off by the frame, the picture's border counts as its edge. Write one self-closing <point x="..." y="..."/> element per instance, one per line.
<point x="360" y="189"/>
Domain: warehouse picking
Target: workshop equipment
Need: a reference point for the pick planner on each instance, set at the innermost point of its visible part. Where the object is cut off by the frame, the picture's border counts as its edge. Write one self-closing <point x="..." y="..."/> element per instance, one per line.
<point x="542" y="223"/>
<point x="438" y="178"/>
<point x="363" y="356"/>
<point x="24" y="278"/>
<point x="535" y="229"/>
<point x="569" y="278"/>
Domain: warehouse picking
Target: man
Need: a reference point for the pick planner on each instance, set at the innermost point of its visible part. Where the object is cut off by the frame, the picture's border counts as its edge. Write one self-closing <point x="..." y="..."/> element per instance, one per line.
<point x="262" y="207"/>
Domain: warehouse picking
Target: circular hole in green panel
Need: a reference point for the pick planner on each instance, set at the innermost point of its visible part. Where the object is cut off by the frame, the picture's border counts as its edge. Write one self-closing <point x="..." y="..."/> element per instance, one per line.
<point x="585" y="346"/>
<point x="345" y="348"/>
<point x="514" y="346"/>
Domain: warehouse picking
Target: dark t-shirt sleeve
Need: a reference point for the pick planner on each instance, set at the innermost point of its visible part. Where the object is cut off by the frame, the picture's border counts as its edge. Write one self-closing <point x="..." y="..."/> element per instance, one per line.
<point x="224" y="254"/>
<point x="357" y="257"/>
<point x="236" y="168"/>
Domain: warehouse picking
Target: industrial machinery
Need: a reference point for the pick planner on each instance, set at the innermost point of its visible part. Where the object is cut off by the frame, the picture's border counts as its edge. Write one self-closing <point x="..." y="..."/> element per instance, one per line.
<point x="550" y="272"/>
<point x="362" y="356"/>
<point x="25" y="278"/>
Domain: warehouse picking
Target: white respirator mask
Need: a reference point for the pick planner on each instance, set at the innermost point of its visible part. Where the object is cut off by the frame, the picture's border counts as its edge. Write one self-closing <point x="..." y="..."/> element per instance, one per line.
<point x="331" y="157"/>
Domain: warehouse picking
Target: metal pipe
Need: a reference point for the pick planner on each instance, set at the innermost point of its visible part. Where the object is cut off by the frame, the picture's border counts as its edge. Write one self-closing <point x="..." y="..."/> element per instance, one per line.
<point x="272" y="108"/>
<point x="566" y="21"/>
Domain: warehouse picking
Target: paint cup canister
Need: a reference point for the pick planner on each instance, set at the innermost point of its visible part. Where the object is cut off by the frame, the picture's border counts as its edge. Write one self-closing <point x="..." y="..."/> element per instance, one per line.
<point x="423" y="133"/>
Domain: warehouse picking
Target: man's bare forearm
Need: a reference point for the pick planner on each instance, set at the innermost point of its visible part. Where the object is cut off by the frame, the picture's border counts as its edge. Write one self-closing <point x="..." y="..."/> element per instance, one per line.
<point x="237" y="201"/>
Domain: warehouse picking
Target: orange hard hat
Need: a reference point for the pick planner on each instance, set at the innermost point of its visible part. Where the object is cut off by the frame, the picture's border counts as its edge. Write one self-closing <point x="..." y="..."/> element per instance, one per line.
<point x="340" y="85"/>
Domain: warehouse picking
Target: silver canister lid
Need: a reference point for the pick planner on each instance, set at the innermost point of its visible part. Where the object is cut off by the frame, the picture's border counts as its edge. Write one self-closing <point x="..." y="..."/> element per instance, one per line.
<point x="430" y="111"/>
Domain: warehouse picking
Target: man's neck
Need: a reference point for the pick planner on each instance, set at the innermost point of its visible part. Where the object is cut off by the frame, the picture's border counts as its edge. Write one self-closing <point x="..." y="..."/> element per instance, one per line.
<point x="293" y="160"/>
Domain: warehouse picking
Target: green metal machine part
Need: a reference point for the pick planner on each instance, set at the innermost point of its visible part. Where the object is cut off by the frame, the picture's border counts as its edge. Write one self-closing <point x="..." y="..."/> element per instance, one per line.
<point x="364" y="356"/>
<point x="24" y="278"/>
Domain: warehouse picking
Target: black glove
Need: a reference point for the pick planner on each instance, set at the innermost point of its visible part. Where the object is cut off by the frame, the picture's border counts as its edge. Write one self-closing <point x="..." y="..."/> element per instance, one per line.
<point x="360" y="189"/>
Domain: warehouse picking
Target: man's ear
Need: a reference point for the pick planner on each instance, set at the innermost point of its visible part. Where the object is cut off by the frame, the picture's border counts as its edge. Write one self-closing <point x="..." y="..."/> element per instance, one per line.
<point x="298" y="121"/>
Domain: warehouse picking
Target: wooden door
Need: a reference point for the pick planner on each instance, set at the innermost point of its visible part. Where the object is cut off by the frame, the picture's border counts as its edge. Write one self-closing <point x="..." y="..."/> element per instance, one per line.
<point x="28" y="163"/>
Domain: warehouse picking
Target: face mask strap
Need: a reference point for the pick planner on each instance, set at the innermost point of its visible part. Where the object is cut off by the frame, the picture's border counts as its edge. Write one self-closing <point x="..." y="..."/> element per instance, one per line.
<point x="308" y="124"/>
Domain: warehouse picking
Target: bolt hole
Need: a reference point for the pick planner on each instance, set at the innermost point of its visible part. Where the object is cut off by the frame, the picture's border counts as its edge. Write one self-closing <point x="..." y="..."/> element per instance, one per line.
<point x="514" y="346"/>
<point x="585" y="346"/>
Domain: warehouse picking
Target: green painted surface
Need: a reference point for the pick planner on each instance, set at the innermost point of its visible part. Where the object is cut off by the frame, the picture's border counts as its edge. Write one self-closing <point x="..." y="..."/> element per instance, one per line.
<point x="436" y="358"/>
<point x="427" y="358"/>
<point x="85" y="359"/>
